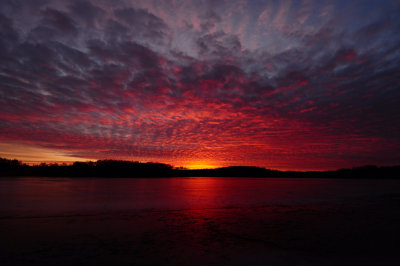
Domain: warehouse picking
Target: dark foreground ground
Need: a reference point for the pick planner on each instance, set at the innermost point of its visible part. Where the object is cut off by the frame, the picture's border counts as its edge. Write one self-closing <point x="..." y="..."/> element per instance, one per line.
<point x="365" y="232"/>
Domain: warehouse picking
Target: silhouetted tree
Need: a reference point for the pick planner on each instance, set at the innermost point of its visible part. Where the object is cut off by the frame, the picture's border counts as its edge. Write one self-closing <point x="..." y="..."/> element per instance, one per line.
<point x="118" y="168"/>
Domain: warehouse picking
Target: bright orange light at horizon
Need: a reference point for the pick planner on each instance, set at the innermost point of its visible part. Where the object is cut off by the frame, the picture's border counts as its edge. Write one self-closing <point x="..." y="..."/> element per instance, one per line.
<point x="201" y="165"/>
<point x="35" y="154"/>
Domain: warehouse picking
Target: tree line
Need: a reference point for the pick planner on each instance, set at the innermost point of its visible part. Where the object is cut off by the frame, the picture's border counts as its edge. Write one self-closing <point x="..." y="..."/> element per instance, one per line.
<point x="119" y="168"/>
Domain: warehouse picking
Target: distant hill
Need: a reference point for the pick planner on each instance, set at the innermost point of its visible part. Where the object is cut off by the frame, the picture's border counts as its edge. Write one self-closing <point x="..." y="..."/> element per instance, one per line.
<point x="117" y="168"/>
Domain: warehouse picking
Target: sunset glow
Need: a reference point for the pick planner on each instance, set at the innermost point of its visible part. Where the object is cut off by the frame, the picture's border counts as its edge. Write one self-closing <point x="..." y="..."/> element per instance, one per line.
<point x="291" y="85"/>
<point x="34" y="155"/>
<point x="201" y="165"/>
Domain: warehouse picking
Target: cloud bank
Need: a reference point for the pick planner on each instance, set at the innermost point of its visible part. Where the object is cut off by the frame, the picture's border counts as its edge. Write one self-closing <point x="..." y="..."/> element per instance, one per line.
<point x="278" y="84"/>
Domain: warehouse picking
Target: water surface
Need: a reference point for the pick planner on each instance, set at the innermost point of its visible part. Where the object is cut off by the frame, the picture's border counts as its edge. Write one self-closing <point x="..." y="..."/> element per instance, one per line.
<point x="58" y="195"/>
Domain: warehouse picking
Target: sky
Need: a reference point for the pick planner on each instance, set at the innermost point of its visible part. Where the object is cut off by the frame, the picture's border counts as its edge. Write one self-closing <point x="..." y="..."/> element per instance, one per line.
<point x="290" y="85"/>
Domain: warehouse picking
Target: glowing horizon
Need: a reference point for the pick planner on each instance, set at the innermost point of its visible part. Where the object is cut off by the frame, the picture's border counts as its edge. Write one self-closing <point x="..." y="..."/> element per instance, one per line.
<point x="36" y="156"/>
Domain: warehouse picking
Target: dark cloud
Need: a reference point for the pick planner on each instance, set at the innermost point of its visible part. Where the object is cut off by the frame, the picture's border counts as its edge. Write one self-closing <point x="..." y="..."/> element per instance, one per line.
<point x="218" y="44"/>
<point x="210" y="20"/>
<point x="143" y="24"/>
<point x="59" y="22"/>
<point x="7" y="32"/>
<point x="23" y="6"/>
<point x="116" y="32"/>
<point x="88" y="13"/>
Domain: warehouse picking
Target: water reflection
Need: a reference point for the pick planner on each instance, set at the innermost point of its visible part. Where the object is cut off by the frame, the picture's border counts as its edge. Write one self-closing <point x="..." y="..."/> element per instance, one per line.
<point x="58" y="195"/>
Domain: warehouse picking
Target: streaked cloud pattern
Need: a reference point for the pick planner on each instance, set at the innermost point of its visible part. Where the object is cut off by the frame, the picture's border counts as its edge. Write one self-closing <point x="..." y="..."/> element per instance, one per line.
<point x="279" y="84"/>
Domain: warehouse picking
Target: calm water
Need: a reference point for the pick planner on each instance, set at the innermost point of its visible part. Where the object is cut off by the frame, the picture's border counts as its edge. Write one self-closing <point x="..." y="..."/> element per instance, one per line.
<point x="21" y="196"/>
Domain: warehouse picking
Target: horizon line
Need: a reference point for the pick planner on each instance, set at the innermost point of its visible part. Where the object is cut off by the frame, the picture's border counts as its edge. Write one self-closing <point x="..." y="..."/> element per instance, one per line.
<point x="37" y="163"/>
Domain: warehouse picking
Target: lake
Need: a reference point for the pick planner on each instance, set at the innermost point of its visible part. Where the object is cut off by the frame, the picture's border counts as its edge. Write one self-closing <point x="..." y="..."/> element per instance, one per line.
<point x="31" y="195"/>
<point x="199" y="221"/>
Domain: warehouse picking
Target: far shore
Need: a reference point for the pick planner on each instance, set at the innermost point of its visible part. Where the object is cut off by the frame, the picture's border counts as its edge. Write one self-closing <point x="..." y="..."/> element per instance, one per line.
<point x="114" y="168"/>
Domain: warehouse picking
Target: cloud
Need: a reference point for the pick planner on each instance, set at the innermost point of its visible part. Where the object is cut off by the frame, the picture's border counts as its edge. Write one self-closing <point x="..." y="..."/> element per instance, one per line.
<point x="278" y="85"/>
<point x="143" y="24"/>
<point x="210" y="21"/>
<point x="89" y="14"/>
<point x="54" y="23"/>
<point x="8" y="34"/>
<point x="218" y="44"/>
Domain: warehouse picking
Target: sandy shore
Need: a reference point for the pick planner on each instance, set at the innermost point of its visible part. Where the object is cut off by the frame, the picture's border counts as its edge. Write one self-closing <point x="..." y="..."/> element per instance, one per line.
<point x="364" y="232"/>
